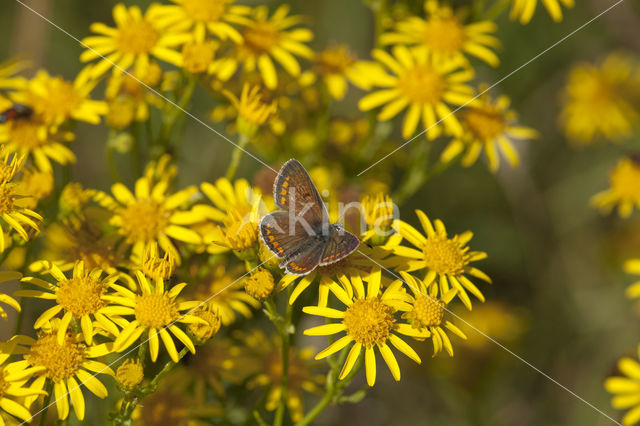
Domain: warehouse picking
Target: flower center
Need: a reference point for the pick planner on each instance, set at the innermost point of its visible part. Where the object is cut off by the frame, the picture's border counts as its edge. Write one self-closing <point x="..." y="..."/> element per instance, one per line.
<point x="422" y="84"/>
<point x="155" y="310"/>
<point x="240" y="234"/>
<point x="260" y="284"/>
<point x="444" y="256"/>
<point x="369" y="321"/>
<point x="626" y="181"/>
<point x="204" y="10"/>
<point x="61" y="100"/>
<point x="334" y="60"/>
<point x="261" y="37"/>
<point x="143" y="220"/>
<point x="129" y="374"/>
<point x="201" y="331"/>
<point x="197" y="56"/>
<point x="444" y="35"/>
<point x="80" y="296"/>
<point x="25" y="134"/>
<point x="60" y="361"/>
<point x="6" y="199"/>
<point x="427" y="312"/>
<point x="137" y="37"/>
<point x="485" y="123"/>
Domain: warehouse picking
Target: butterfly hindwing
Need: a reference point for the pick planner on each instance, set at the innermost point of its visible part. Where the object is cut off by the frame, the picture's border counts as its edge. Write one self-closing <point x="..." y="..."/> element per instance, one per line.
<point x="294" y="190"/>
<point x="341" y="244"/>
<point x="305" y="262"/>
<point x="274" y="229"/>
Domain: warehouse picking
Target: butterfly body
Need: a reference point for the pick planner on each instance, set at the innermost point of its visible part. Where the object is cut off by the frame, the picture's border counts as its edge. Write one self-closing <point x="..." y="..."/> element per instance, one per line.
<point x="300" y="234"/>
<point x="16" y="112"/>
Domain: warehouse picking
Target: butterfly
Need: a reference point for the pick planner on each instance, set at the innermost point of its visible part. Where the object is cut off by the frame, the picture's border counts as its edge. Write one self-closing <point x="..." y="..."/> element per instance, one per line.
<point x="16" y="112"/>
<point x="300" y="234"/>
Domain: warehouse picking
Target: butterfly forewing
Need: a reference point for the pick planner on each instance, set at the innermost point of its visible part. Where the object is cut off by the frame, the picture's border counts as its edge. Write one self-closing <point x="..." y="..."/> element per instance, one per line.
<point x="294" y="190"/>
<point x="274" y="229"/>
<point x="340" y="245"/>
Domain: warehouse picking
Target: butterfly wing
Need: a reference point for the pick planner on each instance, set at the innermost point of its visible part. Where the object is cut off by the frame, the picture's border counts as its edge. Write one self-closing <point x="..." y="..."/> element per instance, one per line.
<point x="340" y="245"/>
<point x="306" y="261"/>
<point x="274" y="230"/>
<point x="293" y="190"/>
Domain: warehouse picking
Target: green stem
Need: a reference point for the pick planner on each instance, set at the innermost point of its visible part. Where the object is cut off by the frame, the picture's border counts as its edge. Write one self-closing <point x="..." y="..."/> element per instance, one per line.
<point x="171" y="116"/>
<point x="113" y="170"/>
<point x="235" y="156"/>
<point x="335" y="387"/>
<point x="45" y="404"/>
<point x="285" y="336"/>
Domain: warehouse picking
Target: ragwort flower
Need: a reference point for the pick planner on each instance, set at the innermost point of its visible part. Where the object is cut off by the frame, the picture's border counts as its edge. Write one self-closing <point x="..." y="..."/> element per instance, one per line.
<point x="80" y="297"/>
<point x="155" y="312"/>
<point x="446" y="258"/>
<point x="336" y="65"/>
<point x="62" y="365"/>
<point x="421" y="84"/>
<point x="136" y="38"/>
<point x="4" y="277"/>
<point x="445" y="36"/>
<point x="265" y="38"/>
<point x="626" y="389"/>
<point x="491" y="126"/>
<point x="624" y="189"/>
<point x="523" y="10"/>
<point x="369" y="323"/>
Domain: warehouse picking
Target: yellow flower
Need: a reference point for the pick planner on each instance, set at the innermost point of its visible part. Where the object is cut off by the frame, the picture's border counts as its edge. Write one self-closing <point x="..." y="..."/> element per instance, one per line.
<point x="15" y="216"/>
<point x="264" y="38"/>
<point x="425" y="312"/>
<point x="337" y="64"/>
<point x="80" y="297"/>
<point x="266" y="353"/>
<point x="74" y="198"/>
<point x="201" y="16"/>
<point x="150" y="215"/>
<point x="379" y="212"/>
<point x="259" y="284"/>
<point x="237" y="208"/>
<point x="129" y="374"/>
<point x="523" y="10"/>
<point x="626" y="389"/>
<point x="445" y="36"/>
<point x="253" y="110"/>
<point x="56" y="100"/>
<point x="425" y="86"/>
<point x="42" y="143"/>
<point x="632" y="266"/>
<point x="133" y="42"/>
<point x="224" y="295"/>
<point x="8" y="78"/>
<point x="488" y="125"/>
<point x="10" y="165"/>
<point x="445" y="258"/>
<point x="79" y="238"/>
<point x="62" y="365"/>
<point x="12" y="384"/>
<point x="197" y="56"/>
<point x="353" y="267"/>
<point x="596" y="100"/>
<point x="37" y="184"/>
<point x="624" y="189"/>
<point x="156" y="312"/>
<point x="369" y="323"/>
<point x="4" y="277"/>
<point x="204" y="332"/>
<point x="156" y="267"/>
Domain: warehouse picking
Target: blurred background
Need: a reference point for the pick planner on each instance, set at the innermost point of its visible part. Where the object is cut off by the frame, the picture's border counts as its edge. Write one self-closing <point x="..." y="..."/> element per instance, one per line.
<point x="557" y="298"/>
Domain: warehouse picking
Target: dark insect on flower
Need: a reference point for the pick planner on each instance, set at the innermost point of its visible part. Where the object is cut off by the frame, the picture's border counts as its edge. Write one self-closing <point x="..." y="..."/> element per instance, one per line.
<point x="16" y="112"/>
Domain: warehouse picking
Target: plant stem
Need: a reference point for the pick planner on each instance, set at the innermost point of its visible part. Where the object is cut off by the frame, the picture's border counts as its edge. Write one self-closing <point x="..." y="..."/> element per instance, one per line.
<point x="113" y="170"/>
<point x="45" y="404"/>
<point x="335" y="387"/>
<point x="235" y="156"/>
<point x="171" y="115"/>
<point x="286" y="342"/>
